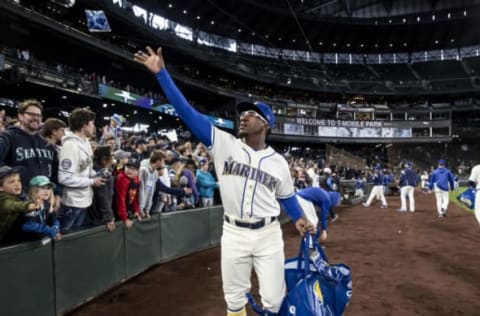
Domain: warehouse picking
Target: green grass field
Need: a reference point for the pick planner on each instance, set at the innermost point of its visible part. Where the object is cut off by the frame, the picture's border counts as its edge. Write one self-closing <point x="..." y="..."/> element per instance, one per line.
<point x="453" y="198"/>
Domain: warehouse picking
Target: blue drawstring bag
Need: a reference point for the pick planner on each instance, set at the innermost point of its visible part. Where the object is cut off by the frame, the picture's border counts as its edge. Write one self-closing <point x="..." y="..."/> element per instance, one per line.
<point x="315" y="288"/>
<point x="467" y="198"/>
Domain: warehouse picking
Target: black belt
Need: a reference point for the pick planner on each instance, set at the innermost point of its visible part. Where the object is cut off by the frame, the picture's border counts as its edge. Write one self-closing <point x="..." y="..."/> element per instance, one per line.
<point x="255" y="225"/>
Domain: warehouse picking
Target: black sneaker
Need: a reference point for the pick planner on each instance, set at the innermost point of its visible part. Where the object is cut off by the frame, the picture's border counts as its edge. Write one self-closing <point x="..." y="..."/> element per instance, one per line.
<point x="335" y="218"/>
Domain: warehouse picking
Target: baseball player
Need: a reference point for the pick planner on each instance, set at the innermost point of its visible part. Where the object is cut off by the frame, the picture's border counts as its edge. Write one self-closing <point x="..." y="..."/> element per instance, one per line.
<point x="475" y="181"/>
<point x="327" y="183"/>
<point x="377" y="189"/>
<point x="314" y="197"/>
<point x="251" y="176"/>
<point x="439" y="181"/>
<point x="408" y="182"/>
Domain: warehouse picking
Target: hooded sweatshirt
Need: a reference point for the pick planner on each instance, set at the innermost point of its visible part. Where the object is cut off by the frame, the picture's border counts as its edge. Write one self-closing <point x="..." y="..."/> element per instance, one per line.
<point x="76" y="172"/>
<point x="32" y="152"/>
<point x="442" y="178"/>
<point x="148" y="179"/>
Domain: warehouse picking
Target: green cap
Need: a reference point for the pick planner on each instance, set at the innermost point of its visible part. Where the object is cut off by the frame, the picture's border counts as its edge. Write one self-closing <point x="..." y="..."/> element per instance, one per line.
<point x="40" y="181"/>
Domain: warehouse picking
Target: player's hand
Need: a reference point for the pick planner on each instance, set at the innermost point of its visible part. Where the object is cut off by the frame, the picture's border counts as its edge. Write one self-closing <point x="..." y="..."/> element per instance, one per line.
<point x="151" y="60"/>
<point x="302" y="225"/>
<point x="323" y="235"/>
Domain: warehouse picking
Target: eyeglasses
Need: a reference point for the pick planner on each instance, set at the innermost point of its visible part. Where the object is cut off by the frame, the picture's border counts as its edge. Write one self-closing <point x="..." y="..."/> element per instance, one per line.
<point x="251" y="113"/>
<point x="33" y="114"/>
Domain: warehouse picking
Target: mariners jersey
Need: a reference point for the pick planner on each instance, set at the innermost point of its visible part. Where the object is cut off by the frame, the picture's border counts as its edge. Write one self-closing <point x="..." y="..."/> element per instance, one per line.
<point x="250" y="180"/>
<point x="475" y="176"/>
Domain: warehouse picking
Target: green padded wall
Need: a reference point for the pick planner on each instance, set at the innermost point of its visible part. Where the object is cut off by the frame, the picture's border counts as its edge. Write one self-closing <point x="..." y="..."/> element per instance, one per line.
<point x="87" y="263"/>
<point x="142" y="245"/>
<point x="26" y="274"/>
<point x="216" y="223"/>
<point x="184" y="232"/>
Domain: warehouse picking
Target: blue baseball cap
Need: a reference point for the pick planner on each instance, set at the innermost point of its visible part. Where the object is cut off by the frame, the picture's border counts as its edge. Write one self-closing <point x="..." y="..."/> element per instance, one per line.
<point x="261" y="108"/>
<point x="442" y="162"/>
<point x="334" y="198"/>
<point x="408" y="164"/>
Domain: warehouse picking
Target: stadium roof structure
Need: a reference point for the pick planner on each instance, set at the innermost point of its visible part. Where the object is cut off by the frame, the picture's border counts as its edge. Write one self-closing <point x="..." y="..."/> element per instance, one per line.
<point x="343" y="26"/>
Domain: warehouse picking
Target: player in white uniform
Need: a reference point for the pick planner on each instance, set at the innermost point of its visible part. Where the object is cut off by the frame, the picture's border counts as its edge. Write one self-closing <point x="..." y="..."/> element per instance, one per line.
<point x="475" y="179"/>
<point x="252" y="176"/>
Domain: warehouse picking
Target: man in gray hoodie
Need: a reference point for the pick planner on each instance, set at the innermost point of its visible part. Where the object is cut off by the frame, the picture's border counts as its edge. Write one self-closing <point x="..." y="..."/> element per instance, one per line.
<point x="76" y="172"/>
<point x="148" y="176"/>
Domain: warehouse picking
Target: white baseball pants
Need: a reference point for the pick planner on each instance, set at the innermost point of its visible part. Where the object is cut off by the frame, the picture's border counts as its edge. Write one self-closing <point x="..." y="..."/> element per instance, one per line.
<point x="377" y="191"/>
<point x="262" y="249"/>
<point x="442" y="199"/>
<point x="404" y="192"/>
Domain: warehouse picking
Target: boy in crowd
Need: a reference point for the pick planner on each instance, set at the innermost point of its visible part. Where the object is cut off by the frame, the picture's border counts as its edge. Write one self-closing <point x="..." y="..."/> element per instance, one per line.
<point x="121" y="158"/>
<point x="126" y="193"/>
<point x="148" y="178"/>
<point x="101" y="212"/>
<point x="10" y="204"/>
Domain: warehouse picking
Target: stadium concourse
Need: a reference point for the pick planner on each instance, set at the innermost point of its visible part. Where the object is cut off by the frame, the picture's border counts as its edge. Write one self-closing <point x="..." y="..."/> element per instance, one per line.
<point x="402" y="264"/>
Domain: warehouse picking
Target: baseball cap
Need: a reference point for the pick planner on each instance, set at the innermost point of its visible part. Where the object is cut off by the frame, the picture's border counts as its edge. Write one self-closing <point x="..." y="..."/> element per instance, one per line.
<point x="327" y="170"/>
<point x="408" y="164"/>
<point x="6" y="171"/>
<point x="117" y="119"/>
<point x="202" y="162"/>
<point x="441" y="162"/>
<point x="121" y="154"/>
<point x="133" y="162"/>
<point x="140" y="141"/>
<point x="40" y="181"/>
<point x="334" y="198"/>
<point x="261" y="108"/>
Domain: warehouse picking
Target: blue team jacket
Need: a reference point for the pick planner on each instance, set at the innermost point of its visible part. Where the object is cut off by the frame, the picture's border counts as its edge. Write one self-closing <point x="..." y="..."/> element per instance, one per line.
<point x="408" y="177"/>
<point x="442" y="177"/>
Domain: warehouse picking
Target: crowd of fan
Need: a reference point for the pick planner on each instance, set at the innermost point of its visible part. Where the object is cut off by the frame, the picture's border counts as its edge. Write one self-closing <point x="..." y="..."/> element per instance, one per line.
<point x="57" y="178"/>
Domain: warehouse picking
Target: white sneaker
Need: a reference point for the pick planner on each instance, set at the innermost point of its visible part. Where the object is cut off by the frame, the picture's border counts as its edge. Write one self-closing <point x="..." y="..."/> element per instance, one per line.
<point x="365" y="204"/>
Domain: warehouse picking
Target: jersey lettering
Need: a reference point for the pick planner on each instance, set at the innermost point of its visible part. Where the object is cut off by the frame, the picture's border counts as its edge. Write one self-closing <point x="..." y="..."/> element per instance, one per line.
<point x="29" y="153"/>
<point x="235" y="168"/>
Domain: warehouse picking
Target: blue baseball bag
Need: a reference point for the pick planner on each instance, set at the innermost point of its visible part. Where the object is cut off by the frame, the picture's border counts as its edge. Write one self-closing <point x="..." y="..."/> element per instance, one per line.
<point x="467" y="198"/>
<point x="315" y="288"/>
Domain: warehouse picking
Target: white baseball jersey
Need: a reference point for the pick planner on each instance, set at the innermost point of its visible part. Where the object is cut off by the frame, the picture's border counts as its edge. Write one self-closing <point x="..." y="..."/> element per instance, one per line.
<point x="250" y="181"/>
<point x="475" y="176"/>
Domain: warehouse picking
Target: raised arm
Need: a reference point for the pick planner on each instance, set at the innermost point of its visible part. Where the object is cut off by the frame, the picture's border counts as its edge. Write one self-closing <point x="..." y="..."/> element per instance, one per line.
<point x="196" y="122"/>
